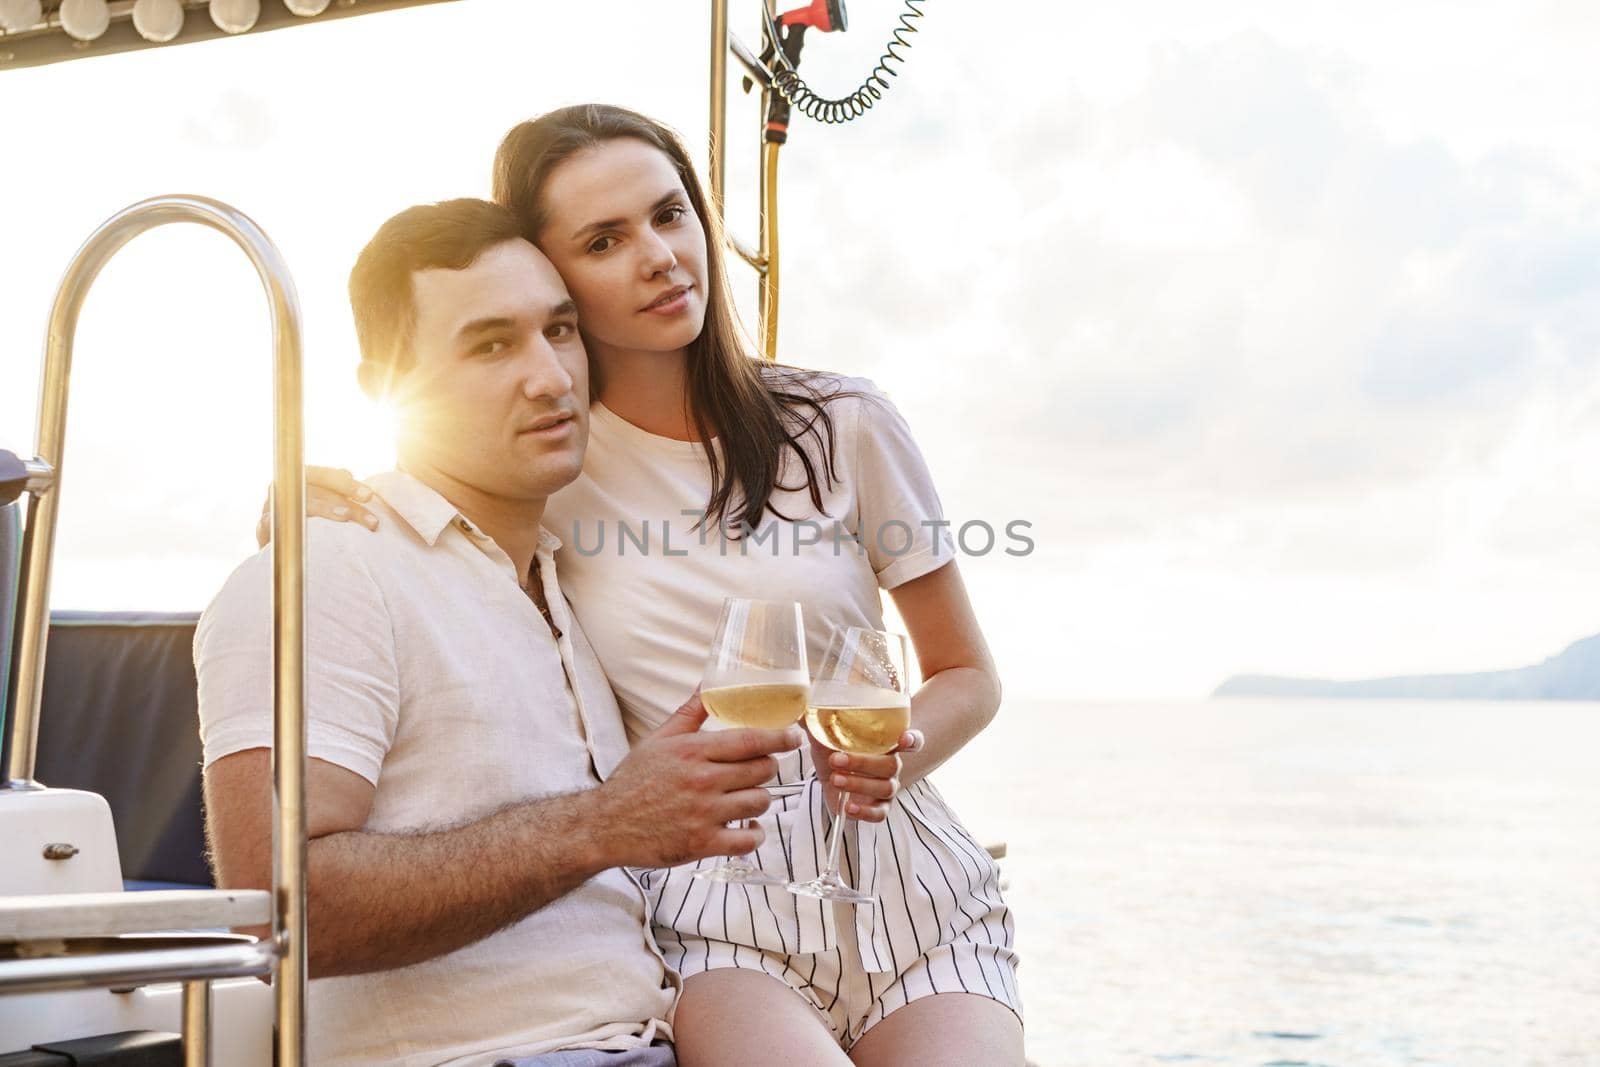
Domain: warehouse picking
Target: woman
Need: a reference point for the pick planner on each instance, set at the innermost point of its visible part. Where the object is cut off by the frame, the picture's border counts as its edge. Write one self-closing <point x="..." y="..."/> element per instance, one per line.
<point x="709" y="474"/>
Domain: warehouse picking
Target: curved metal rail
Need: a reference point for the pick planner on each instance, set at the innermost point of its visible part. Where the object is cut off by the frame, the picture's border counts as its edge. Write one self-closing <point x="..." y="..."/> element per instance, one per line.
<point x="288" y="591"/>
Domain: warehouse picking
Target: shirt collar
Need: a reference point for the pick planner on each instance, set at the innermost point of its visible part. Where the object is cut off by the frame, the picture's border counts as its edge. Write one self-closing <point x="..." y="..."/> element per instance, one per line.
<point x="427" y="512"/>
<point x="424" y="509"/>
<point x="549" y="543"/>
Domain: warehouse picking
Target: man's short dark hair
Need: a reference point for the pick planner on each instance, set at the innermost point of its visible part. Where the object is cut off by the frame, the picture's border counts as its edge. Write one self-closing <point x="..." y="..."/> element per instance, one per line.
<point x="449" y="235"/>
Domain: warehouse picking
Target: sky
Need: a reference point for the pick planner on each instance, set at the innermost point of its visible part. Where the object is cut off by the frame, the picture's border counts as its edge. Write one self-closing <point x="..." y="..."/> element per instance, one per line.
<point x="1278" y="323"/>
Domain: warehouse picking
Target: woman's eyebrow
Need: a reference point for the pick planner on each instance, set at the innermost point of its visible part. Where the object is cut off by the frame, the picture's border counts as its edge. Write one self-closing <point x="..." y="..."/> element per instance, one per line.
<point x="610" y="224"/>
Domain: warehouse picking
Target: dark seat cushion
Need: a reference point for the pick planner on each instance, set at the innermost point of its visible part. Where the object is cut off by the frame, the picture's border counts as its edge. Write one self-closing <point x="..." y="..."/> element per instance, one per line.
<point x="119" y="719"/>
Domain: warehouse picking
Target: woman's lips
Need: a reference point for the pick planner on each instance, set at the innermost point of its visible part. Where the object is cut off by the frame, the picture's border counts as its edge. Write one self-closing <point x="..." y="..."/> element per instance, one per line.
<point x="671" y="302"/>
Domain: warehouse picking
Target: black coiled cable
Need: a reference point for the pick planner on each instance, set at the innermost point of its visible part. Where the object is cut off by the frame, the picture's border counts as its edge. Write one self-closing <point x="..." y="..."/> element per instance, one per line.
<point x="788" y="83"/>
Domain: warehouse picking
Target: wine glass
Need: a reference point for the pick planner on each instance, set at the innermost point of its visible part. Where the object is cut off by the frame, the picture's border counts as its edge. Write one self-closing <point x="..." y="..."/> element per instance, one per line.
<point x="860" y="703"/>
<point x="756" y="677"/>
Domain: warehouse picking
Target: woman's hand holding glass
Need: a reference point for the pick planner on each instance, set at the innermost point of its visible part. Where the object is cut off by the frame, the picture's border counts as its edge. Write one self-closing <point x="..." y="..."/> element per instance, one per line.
<point x="860" y="705"/>
<point x="869" y="782"/>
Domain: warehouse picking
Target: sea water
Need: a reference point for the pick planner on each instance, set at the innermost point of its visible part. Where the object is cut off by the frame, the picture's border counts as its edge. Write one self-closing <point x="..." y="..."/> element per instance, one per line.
<point x="1269" y="882"/>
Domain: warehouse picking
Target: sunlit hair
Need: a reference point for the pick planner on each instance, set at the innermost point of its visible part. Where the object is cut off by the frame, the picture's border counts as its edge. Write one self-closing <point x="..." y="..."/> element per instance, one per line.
<point x="449" y="235"/>
<point x="757" y="409"/>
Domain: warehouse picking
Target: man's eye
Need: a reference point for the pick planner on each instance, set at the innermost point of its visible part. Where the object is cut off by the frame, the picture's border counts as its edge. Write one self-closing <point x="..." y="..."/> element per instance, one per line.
<point x="601" y="244"/>
<point x="560" y="331"/>
<point x="491" y="348"/>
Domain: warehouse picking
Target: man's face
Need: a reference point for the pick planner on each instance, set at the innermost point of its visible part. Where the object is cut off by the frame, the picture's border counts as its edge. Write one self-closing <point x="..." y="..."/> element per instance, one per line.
<point x="496" y="396"/>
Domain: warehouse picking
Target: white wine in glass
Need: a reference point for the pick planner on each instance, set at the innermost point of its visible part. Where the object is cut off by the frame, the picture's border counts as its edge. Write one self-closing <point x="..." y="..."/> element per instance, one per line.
<point x="861" y="720"/>
<point x="860" y="703"/>
<point x="755" y="677"/>
<point x="759" y="705"/>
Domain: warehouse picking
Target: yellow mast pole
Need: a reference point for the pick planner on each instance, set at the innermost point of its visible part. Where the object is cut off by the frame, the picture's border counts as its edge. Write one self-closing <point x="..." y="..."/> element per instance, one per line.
<point x="719" y="99"/>
<point x="769" y="248"/>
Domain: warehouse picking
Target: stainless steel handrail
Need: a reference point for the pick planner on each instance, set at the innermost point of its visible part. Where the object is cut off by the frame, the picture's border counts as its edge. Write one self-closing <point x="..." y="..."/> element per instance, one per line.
<point x="288" y="940"/>
<point x="134" y="968"/>
<point x="197" y="1023"/>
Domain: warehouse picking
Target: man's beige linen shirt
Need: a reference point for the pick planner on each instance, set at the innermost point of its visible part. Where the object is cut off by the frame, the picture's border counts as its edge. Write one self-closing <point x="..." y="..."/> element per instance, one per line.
<point x="431" y="674"/>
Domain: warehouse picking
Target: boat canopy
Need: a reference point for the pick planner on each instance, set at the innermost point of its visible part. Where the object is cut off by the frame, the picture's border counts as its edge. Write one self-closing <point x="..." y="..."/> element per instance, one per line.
<point x="37" y="32"/>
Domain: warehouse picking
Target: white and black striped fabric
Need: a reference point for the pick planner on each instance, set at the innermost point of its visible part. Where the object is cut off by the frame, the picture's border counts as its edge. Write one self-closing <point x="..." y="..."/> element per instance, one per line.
<point x="940" y="925"/>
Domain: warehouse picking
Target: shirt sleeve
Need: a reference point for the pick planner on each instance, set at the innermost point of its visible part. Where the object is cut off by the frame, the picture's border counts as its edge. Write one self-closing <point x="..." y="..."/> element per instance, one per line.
<point x="902" y="524"/>
<point x="352" y="680"/>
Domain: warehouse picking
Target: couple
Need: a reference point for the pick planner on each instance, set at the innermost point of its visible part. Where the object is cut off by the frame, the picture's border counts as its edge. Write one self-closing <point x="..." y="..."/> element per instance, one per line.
<point x="491" y="749"/>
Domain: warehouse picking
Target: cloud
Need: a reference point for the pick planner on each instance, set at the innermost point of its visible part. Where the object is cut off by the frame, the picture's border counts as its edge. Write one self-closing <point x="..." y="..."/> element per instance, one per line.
<point x="1257" y="346"/>
<point x="1437" y="353"/>
<point x="1248" y="106"/>
<point x="1260" y="368"/>
<point x="236" y="121"/>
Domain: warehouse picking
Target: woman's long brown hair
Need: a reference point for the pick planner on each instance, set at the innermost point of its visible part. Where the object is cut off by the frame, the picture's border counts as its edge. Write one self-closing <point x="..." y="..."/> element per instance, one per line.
<point x="757" y="409"/>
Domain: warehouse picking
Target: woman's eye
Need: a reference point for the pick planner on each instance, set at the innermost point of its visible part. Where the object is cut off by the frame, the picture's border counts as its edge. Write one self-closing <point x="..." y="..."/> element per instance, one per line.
<point x="671" y="214"/>
<point x="601" y="244"/>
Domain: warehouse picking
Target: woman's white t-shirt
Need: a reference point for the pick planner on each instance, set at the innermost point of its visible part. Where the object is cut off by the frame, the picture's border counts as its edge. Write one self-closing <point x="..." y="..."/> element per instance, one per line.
<point x="647" y="578"/>
<point x="648" y="587"/>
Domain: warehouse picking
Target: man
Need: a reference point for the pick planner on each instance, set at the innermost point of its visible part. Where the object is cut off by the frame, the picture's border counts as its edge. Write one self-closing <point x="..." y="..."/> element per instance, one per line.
<point x="471" y="797"/>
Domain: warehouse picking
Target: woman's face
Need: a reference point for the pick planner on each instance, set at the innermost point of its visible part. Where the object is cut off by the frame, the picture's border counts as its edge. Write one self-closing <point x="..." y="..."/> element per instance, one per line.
<point x="622" y="232"/>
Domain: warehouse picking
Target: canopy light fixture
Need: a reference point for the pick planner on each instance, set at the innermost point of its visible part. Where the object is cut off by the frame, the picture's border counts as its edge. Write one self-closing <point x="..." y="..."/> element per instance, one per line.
<point x="158" y="21"/>
<point x="85" y="20"/>
<point x="19" y="15"/>
<point x="235" y="16"/>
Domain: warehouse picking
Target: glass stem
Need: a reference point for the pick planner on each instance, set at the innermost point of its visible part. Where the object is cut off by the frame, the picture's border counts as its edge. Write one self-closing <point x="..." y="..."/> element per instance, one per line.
<point x="836" y="837"/>
<point x="740" y="862"/>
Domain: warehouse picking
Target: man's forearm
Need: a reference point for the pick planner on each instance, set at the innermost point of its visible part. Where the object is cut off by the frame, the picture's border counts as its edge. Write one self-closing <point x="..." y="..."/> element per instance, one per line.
<point x="389" y="900"/>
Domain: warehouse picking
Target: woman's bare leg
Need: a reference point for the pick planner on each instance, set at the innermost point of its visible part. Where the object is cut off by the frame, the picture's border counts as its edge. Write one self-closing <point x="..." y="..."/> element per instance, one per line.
<point x="944" y="1030"/>
<point x="732" y="1018"/>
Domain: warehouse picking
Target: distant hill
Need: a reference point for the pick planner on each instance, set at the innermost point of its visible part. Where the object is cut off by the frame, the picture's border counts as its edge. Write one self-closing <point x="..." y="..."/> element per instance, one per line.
<point x="1572" y="675"/>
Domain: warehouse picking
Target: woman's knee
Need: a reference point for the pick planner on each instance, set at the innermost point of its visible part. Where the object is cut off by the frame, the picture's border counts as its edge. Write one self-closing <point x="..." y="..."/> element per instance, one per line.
<point x="732" y="1016"/>
<point x="944" y="1030"/>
